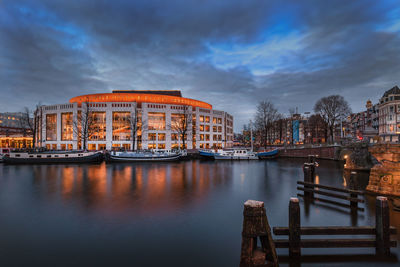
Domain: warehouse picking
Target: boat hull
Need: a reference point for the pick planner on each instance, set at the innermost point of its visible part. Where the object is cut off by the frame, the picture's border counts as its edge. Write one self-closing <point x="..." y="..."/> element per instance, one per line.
<point x="150" y="158"/>
<point x="222" y="157"/>
<point x="207" y="154"/>
<point x="268" y="154"/>
<point x="93" y="158"/>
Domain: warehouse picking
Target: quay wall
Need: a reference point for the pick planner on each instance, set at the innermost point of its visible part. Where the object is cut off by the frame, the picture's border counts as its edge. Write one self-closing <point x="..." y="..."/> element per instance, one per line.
<point x="323" y="152"/>
<point x="385" y="175"/>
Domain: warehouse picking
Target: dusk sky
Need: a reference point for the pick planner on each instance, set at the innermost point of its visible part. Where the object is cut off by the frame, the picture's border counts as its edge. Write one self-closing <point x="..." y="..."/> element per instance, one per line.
<point x="230" y="54"/>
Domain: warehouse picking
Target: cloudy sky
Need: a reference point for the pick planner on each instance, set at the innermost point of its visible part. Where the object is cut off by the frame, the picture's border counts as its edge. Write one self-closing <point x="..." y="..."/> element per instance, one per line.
<point x="228" y="53"/>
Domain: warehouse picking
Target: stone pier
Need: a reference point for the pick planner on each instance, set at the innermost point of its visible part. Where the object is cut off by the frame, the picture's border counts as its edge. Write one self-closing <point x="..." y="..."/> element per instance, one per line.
<point x="385" y="176"/>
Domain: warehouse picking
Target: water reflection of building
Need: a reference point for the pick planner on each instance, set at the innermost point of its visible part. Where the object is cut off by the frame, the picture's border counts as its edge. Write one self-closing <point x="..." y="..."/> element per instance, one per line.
<point x="153" y="119"/>
<point x="139" y="188"/>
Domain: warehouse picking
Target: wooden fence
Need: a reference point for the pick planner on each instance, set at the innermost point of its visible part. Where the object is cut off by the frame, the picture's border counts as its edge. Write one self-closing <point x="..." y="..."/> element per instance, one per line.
<point x="381" y="231"/>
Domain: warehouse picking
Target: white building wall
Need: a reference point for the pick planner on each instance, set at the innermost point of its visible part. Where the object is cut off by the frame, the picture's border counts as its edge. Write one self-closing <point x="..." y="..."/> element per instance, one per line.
<point x="226" y="132"/>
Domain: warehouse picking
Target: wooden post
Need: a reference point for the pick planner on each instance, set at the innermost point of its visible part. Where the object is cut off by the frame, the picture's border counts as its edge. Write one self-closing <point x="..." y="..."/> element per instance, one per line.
<point x="255" y="224"/>
<point x="382" y="227"/>
<point x="308" y="170"/>
<point x="353" y="204"/>
<point x="294" y="228"/>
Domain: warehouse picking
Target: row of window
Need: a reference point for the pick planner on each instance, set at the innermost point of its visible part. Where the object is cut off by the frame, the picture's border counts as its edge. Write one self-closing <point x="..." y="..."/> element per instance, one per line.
<point x="206" y="119"/>
<point x="122" y="123"/>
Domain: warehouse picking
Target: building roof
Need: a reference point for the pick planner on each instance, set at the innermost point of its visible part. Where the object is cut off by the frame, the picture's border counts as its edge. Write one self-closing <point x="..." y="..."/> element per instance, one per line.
<point x="153" y="92"/>
<point x="394" y="91"/>
<point x="140" y="97"/>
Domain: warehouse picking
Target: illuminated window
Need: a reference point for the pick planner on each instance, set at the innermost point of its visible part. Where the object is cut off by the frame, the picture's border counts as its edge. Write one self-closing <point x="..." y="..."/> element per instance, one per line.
<point x="152" y="136"/>
<point x="214" y="129"/>
<point x="161" y="137"/>
<point x="207" y="137"/>
<point x="161" y="146"/>
<point x="202" y="128"/>
<point x="220" y="129"/>
<point x="121" y="126"/>
<point x="202" y="137"/>
<point x="215" y="138"/>
<point x="178" y="122"/>
<point x="92" y="146"/>
<point x="151" y="146"/>
<point x="207" y="118"/>
<point x="174" y="137"/>
<point x="156" y="121"/>
<point x="207" y="128"/>
<point x="201" y="118"/>
<point x="67" y="129"/>
<point x="97" y="129"/>
<point x="214" y="120"/>
<point x="174" y="146"/>
<point x="219" y="121"/>
<point x="51" y="127"/>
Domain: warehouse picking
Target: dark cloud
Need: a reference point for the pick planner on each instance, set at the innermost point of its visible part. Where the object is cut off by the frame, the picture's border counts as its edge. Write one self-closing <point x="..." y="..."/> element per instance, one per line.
<point x="53" y="50"/>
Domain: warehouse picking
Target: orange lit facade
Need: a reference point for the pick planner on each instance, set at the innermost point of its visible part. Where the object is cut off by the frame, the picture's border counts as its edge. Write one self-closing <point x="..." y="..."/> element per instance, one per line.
<point x="133" y="119"/>
<point x="13" y="132"/>
<point x="139" y="98"/>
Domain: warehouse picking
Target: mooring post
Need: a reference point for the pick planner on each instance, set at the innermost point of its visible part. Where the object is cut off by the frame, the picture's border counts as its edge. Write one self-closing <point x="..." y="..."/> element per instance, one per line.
<point x="255" y="225"/>
<point x="382" y="226"/>
<point x="294" y="228"/>
<point x="308" y="170"/>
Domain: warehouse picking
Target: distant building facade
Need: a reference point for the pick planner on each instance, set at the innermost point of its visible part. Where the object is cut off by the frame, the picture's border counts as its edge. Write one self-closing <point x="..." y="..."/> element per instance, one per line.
<point x="389" y="115"/>
<point x="363" y="125"/>
<point x="157" y="116"/>
<point x="14" y="133"/>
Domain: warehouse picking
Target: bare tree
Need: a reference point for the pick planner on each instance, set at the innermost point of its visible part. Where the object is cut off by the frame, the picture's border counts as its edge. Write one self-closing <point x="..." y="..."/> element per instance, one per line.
<point x="83" y="124"/>
<point x="265" y="116"/>
<point x="180" y="123"/>
<point x="332" y="109"/>
<point x="29" y="121"/>
<point x="134" y="124"/>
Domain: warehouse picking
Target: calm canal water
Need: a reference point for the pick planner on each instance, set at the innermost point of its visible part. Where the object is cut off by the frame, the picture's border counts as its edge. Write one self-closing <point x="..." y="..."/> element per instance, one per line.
<point x="169" y="214"/>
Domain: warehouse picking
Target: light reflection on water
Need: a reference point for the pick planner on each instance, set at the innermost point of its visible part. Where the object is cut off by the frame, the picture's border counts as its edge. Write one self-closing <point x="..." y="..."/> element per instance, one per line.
<point x="171" y="214"/>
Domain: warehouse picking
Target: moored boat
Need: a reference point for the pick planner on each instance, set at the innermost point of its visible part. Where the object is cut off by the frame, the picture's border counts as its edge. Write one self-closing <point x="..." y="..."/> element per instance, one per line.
<point x="3" y="152"/>
<point x="132" y="156"/>
<point x="268" y="154"/>
<point x="209" y="154"/>
<point x="235" y="154"/>
<point x="53" y="157"/>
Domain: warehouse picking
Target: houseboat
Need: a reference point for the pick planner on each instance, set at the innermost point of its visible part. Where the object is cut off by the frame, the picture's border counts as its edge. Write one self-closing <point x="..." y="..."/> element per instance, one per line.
<point x="52" y="157"/>
<point x="133" y="156"/>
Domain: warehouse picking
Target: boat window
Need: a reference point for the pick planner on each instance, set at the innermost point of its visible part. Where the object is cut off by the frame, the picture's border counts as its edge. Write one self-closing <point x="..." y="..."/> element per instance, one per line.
<point x="66" y="155"/>
<point x="56" y="156"/>
<point x="31" y="156"/>
<point x="49" y="156"/>
<point x="79" y="154"/>
<point x="17" y="155"/>
<point x="39" y="156"/>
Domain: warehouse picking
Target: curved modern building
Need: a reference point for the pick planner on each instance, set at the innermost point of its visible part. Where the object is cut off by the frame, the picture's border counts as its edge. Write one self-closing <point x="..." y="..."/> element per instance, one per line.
<point x="133" y="120"/>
